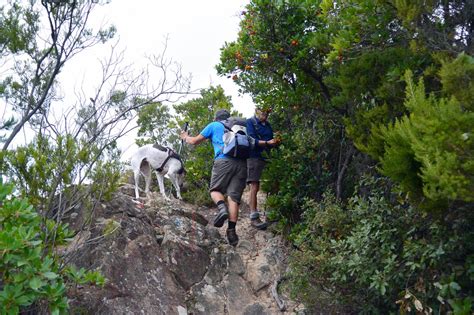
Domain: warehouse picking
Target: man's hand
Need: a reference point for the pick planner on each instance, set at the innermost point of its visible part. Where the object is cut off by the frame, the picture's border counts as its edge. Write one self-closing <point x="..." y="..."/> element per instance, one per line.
<point x="191" y="140"/>
<point x="272" y="142"/>
<point x="275" y="141"/>
<point x="277" y="138"/>
<point x="183" y="135"/>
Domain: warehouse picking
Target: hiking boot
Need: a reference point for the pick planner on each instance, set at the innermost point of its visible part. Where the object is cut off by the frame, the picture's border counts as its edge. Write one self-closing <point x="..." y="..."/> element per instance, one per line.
<point x="258" y="224"/>
<point x="221" y="216"/>
<point x="232" y="237"/>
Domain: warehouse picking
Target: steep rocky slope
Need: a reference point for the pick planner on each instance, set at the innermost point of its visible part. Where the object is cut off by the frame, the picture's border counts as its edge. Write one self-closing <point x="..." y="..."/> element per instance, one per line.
<point x="162" y="257"/>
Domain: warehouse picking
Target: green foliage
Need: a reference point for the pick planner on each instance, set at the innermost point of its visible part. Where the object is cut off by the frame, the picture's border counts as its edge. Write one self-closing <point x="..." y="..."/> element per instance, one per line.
<point x="371" y="87"/>
<point x="29" y="93"/>
<point x="332" y="69"/>
<point x="199" y="112"/>
<point x="437" y="25"/>
<point x="43" y="170"/>
<point x="355" y="24"/>
<point x="6" y="125"/>
<point x="51" y="174"/>
<point x="30" y="271"/>
<point x="104" y="172"/>
<point x="279" y="59"/>
<point x="431" y="149"/>
<point x="18" y="26"/>
<point x="376" y="257"/>
<point x="154" y="121"/>
<point x="275" y="56"/>
<point x="82" y="276"/>
<point x="457" y="78"/>
<point x="110" y="227"/>
<point x="303" y="168"/>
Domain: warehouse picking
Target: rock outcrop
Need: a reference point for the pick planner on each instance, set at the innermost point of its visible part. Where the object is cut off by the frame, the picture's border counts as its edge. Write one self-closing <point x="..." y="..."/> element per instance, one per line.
<point x="163" y="257"/>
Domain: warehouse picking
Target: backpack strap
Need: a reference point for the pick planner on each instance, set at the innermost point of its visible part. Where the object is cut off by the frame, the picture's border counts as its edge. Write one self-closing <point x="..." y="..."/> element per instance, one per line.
<point x="225" y="126"/>
<point x="255" y="125"/>
<point x="222" y="148"/>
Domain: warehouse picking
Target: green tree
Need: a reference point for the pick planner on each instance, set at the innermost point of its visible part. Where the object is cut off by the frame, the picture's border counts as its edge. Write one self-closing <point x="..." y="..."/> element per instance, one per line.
<point x="29" y="271"/>
<point x="374" y="256"/>
<point x="154" y="123"/>
<point x="53" y="175"/>
<point x="18" y="27"/>
<point x="71" y="161"/>
<point x="430" y="150"/>
<point x="36" y="60"/>
<point x="14" y="38"/>
<point x="334" y="73"/>
<point x="439" y="25"/>
<point x="279" y="58"/>
<point x="199" y="112"/>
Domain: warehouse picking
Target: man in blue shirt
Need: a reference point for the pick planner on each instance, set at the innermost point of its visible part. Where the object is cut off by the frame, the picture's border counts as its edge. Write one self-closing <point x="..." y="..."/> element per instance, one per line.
<point x="260" y="129"/>
<point x="228" y="175"/>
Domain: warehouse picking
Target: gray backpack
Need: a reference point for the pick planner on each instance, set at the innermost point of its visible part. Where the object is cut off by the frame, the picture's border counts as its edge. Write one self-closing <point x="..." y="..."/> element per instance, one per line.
<point x="237" y="143"/>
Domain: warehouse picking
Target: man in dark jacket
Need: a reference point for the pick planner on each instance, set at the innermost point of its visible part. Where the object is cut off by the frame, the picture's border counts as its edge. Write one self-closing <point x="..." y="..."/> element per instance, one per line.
<point x="260" y="129"/>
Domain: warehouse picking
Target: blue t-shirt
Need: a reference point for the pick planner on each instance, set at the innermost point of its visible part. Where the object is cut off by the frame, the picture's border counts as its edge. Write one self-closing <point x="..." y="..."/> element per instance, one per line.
<point x="215" y="132"/>
<point x="259" y="131"/>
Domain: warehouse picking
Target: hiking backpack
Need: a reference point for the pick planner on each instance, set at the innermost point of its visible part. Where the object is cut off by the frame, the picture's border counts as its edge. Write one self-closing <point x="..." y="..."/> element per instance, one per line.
<point x="237" y="143"/>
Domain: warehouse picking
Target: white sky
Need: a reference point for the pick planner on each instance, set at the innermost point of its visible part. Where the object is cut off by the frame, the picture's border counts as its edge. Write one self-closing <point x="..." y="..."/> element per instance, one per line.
<point x="196" y="31"/>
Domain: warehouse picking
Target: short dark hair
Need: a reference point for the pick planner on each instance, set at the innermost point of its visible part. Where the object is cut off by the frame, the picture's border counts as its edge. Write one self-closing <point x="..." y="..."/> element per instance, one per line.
<point x="222" y="114"/>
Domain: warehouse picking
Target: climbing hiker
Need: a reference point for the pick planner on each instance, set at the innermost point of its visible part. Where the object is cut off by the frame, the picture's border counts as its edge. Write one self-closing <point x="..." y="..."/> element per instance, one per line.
<point x="228" y="174"/>
<point x="260" y="129"/>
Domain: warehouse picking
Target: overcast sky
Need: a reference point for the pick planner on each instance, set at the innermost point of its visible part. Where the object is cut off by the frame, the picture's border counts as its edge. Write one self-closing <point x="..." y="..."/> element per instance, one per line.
<point x="196" y="31"/>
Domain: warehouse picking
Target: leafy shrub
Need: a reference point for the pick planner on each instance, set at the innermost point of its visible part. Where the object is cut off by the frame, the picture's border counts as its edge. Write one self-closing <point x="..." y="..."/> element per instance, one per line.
<point x="429" y="151"/>
<point x="303" y="166"/>
<point x="30" y="272"/>
<point x="377" y="257"/>
<point x="322" y="222"/>
<point x="48" y="168"/>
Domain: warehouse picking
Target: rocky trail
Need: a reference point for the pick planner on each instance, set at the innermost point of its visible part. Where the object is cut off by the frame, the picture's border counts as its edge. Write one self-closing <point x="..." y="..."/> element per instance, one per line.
<point x="164" y="257"/>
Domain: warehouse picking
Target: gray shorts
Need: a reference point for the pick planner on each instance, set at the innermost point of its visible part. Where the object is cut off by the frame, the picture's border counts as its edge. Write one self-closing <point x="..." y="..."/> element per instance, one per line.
<point x="228" y="177"/>
<point x="254" y="169"/>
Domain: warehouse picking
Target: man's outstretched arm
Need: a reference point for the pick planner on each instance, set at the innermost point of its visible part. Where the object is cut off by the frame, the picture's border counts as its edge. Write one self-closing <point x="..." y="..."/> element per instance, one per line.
<point x="192" y="140"/>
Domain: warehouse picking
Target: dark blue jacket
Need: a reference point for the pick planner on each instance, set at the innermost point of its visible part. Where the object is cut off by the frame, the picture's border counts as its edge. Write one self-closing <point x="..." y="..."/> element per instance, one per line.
<point x="259" y="131"/>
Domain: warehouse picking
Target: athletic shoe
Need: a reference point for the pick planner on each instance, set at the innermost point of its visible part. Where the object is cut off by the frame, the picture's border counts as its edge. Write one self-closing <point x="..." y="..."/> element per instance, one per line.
<point x="258" y="224"/>
<point x="221" y="216"/>
<point x="232" y="237"/>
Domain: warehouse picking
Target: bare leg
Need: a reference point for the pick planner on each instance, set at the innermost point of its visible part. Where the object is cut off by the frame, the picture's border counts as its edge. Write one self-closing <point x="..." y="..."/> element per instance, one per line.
<point x="223" y="214"/>
<point x="254" y="215"/>
<point x="233" y="210"/>
<point x="216" y="196"/>
<point x="254" y="188"/>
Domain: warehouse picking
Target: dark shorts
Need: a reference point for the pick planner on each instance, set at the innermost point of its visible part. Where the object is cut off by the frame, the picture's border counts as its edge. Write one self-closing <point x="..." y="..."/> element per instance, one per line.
<point x="228" y="177"/>
<point x="254" y="169"/>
